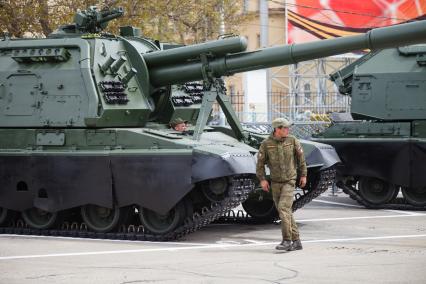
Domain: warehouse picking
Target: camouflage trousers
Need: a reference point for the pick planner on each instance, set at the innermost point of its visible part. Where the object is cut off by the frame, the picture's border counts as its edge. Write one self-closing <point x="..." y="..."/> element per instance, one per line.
<point x="282" y="193"/>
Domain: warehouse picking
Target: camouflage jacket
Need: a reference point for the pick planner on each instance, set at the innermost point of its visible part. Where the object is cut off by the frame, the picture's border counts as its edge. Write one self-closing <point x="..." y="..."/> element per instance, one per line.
<point x="284" y="158"/>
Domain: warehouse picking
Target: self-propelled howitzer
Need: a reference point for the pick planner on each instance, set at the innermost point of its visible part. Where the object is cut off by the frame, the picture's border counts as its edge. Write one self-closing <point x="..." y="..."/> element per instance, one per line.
<point x="384" y="149"/>
<point x="84" y="137"/>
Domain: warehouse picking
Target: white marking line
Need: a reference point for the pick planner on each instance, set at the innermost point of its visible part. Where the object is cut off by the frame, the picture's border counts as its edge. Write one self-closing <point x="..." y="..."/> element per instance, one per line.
<point x="96" y="240"/>
<point x="366" y="238"/>
<point x="404" y="212"/>
<point x="358" y="218"/>
<point x="208" y="246"/>
<point x="337" y="203"/>
<point x="359" y="206"/>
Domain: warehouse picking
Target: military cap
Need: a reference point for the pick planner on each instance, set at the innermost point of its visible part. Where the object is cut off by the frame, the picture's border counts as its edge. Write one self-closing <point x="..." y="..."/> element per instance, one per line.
<point x="177" y="121"/>
<point x="280" y="122"/>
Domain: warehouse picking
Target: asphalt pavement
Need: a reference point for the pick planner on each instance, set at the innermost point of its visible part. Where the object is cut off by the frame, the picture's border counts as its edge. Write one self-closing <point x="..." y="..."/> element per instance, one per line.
<point x="343" y="243"/>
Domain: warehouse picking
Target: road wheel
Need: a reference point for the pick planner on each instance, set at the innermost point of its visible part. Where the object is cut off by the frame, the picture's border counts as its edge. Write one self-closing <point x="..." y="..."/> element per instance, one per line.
<point x="376" y="191"/>
<point x="260" y="207"/>
<point x="100" y="219"/>
<point x="415" y="196"/>
<point x="6" y="215"/>
<point x="39" y="219"/>
<point x="161" y="224"/>
<point x="215" y="189"/>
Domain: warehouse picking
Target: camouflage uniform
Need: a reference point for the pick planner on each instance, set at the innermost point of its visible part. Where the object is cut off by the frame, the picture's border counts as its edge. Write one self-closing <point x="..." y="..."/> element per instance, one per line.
<point x="285" y="160"/>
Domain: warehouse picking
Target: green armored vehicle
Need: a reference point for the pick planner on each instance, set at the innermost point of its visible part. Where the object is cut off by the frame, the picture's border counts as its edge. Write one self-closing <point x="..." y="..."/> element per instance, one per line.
<point x="384" y="150"/>
<point x="85" y="147"/>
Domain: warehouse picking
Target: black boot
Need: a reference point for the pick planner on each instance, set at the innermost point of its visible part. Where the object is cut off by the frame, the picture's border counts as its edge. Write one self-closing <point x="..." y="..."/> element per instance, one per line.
<point x="284" y="245"/>
<point x="296" y="245"/>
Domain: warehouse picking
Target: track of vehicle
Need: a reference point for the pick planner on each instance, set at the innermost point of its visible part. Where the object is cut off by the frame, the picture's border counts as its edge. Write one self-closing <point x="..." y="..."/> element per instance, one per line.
<point x="395" y="204"/>
<point x="240" y="187"/>
<point x="219" y="212"/>
<point x="317" y="184"/>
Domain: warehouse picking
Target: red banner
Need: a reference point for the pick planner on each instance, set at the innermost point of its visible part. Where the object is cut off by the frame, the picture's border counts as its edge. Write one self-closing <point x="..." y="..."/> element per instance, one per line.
<point x="310" y="20"/>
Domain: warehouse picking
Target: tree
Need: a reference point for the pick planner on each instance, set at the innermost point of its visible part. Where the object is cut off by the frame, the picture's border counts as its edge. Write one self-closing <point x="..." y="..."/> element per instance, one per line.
<point x="16" y="17"/>
<point x="182" y="21"/>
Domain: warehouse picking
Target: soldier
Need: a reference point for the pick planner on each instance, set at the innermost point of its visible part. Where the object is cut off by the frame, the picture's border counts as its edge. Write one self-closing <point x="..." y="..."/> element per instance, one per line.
<point x="283" y="155"/>
<point x="178" y="124"/>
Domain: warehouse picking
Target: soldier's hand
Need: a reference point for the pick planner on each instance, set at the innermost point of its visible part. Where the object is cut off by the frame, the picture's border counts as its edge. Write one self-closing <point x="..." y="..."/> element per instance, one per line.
<point x="302" y="182"/>
<point x="265" y="185"/>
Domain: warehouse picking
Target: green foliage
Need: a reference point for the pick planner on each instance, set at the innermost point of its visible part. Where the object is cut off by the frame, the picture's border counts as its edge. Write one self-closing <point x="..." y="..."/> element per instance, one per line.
<point x="182" y="21"/>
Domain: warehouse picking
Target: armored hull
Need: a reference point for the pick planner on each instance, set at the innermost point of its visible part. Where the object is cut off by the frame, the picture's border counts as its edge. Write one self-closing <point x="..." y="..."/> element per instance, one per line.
<point x="106" y="182"/>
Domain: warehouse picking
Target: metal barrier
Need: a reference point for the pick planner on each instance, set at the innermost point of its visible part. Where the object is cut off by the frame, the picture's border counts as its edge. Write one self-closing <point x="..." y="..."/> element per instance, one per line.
<point x="302" y="130"/>
<point x="302" y="108"/>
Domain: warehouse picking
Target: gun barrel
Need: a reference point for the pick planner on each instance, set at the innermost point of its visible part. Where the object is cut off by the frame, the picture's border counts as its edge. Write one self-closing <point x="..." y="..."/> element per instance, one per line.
<point x="182" y="54"/>
<point x="392" y="36"/>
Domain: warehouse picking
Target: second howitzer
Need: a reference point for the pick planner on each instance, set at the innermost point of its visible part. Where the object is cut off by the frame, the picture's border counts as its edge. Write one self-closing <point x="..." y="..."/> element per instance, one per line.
<point x="384" y="149"/>
<point x="85" y="146"/>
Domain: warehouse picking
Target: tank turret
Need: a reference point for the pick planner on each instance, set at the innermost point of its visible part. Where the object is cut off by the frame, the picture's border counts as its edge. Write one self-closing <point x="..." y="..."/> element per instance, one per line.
<point x="383" y="150"/>
<point x="84" y="128"/>
<point x="390" y="91"/>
